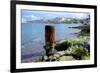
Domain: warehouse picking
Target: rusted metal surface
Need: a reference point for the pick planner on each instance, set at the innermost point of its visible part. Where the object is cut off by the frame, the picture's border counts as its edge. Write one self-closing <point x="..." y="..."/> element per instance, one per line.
<point x="49" y="35"/>
<point x="49" y="39"/>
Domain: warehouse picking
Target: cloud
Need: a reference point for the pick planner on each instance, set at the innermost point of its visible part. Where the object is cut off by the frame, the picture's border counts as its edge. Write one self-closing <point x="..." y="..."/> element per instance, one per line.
<point x="31" y="17"/>
<point x="28" y="18"/>
<point x="35" y="15"/>
<point x="80" y="15"/>
<point x="23" y="20"/>
<point x="64" y="14"/>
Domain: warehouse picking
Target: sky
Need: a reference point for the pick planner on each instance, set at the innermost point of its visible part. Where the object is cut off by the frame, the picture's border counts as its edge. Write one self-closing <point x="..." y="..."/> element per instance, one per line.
<point x="28" y="15"/>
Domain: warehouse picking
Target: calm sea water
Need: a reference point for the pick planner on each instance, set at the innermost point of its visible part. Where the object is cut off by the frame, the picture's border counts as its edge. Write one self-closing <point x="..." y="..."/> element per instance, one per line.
<point x="32" y="37"/>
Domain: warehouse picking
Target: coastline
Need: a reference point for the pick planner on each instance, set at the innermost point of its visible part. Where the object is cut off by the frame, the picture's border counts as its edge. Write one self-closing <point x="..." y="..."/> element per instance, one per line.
<point x="78" y="50"/>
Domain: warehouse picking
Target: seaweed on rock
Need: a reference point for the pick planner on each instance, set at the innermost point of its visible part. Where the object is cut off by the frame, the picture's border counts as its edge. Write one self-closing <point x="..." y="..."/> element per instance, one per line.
<point x="78" y="47"/>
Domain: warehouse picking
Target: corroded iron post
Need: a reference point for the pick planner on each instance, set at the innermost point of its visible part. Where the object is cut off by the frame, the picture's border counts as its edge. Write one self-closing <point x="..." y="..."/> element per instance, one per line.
<point x="49" y="39"/>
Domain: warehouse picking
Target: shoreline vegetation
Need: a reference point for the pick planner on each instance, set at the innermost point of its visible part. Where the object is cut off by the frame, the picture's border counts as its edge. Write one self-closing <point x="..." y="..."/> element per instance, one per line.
<point x="85" y="29"/>
<point x="57" y="20"/>
<point x="77" y="48"/>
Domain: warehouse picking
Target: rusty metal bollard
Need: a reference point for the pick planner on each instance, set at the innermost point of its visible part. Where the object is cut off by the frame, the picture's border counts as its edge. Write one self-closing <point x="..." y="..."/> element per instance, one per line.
<point x="49" y="40"/>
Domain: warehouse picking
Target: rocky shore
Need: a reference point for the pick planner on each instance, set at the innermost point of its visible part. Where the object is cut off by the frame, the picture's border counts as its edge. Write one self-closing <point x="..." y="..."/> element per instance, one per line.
<point x="77" y="49"/>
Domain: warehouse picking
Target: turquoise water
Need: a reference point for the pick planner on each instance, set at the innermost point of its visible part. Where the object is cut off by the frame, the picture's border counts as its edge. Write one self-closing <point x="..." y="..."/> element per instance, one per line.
<point x="32" y="37"/>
